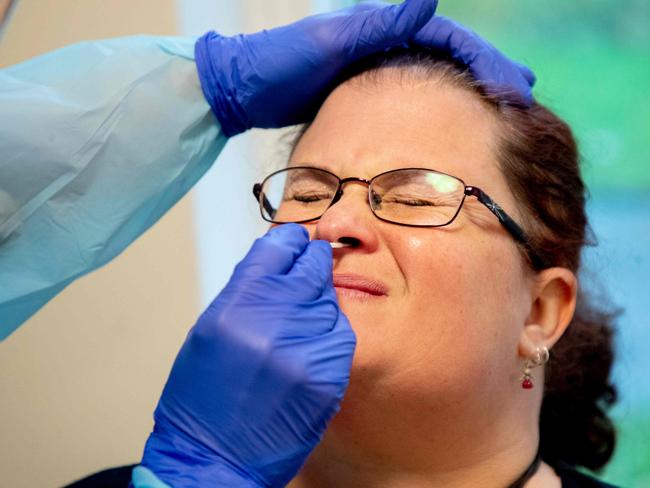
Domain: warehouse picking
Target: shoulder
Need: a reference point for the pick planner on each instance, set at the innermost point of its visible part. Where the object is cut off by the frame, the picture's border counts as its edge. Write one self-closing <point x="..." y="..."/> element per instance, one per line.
<point x="572" y="478"/>
<point x="118" y="477"/>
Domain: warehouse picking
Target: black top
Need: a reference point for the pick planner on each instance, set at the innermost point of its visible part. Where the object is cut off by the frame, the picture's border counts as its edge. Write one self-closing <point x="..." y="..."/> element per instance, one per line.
<point x="121" y="476"/>
<point x="572" y="478"/>
<point x="109" y="478"/>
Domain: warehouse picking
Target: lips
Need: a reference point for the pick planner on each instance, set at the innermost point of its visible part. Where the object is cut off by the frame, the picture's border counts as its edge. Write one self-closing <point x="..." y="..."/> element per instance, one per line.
<point x="360" y="283"/>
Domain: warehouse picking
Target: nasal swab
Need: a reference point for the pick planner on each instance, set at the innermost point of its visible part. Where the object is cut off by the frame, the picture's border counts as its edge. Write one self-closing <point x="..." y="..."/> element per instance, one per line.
<point x="336" y="245"/>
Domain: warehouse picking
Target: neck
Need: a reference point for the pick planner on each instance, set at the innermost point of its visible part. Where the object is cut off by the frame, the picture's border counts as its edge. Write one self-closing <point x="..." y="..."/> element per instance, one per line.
<point x="323" y="469"/>
<point x="369" y="449"/>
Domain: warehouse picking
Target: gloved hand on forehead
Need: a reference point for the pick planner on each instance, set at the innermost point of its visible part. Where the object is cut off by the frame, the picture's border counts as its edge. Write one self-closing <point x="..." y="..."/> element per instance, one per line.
<point x="260" y="375"/>
<point x="498" y="73"/>
<point x="277" y="77"/>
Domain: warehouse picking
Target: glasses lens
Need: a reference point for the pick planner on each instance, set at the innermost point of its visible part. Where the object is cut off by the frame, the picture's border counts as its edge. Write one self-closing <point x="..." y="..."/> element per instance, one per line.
<point x="297" y="194"/>
<point x="416" y="197"/>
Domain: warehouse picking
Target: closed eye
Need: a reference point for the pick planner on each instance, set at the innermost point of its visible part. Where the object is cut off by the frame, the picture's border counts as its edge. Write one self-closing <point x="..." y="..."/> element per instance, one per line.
<point x="413" y="202"/>
<point x="308" y="197"/>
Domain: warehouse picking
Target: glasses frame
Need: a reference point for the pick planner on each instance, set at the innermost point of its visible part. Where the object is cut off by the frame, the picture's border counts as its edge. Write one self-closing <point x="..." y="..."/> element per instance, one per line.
<point x="511" y="226"/>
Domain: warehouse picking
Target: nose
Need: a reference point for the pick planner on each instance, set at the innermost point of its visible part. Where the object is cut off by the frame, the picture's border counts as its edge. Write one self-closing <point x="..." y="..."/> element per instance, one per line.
<point x="350" y="220"/>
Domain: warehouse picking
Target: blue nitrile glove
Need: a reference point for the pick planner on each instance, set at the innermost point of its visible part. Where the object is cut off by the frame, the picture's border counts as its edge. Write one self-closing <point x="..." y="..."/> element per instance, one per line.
<point x="261" y="373"/>
<point x="498" y="73"/>
<point x="277" y="77"/>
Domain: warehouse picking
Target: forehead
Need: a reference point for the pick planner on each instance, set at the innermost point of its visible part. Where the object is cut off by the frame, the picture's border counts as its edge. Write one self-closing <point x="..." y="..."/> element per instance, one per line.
<point x="366" y="128"/>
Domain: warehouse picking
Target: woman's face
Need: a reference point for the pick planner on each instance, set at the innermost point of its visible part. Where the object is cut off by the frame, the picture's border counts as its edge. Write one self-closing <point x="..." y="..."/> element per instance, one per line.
<point x="457" y="296"/>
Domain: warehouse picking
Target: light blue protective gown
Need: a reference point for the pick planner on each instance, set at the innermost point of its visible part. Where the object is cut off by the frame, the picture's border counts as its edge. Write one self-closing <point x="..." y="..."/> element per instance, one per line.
<point x="144" y="478"/>
<point x="97" y="141"/>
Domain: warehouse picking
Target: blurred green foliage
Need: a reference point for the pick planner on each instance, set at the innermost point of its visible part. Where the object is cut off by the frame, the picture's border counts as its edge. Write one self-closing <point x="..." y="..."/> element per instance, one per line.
<point x="630" y="466"/>
<point x="592" y="61"/>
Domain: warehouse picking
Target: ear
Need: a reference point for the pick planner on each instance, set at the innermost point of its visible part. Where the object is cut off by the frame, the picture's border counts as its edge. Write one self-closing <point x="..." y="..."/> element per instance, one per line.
<point x="552" y="308"/>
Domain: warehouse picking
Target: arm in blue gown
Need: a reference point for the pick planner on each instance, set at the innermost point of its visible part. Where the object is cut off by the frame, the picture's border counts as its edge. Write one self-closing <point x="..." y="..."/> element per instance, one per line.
<point x="97" y="141"/>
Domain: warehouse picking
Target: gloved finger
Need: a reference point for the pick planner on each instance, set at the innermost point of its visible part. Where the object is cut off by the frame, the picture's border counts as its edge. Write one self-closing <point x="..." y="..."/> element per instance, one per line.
<point x="347" y="342"/>
<point x="339" y="349"/>
<point x="307" y="319"/>
<point x="313" y="270"/>
<point x="527" y="73"/>
<point x="273" y="253"/>
<point x="385" y="27"/>
<point x="486" y="63"/>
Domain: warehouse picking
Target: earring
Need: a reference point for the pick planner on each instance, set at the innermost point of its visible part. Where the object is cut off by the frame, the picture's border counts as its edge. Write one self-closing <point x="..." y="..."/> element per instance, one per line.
<point x="541" y="357"/>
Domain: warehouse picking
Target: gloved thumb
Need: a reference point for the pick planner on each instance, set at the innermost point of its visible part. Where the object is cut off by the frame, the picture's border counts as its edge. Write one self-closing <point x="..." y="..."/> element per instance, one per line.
<point x="385" y="27"/>
<point x="274" y="253"/>
<point x="314" y="270"/>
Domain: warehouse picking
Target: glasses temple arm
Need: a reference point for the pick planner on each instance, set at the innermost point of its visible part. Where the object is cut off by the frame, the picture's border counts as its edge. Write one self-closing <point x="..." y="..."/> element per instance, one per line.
<point x="257" y="191"/>
<point x="508" y="222"/>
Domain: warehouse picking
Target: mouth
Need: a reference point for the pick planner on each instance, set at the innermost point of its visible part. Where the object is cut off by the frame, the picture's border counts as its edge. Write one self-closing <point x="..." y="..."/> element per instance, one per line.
<point x="359" y="287"/>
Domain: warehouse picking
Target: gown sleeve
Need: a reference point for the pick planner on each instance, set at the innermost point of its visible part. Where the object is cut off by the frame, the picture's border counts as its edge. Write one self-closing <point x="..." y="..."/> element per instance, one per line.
<point x="144" y="478"/>
<point x="97" y="141"/>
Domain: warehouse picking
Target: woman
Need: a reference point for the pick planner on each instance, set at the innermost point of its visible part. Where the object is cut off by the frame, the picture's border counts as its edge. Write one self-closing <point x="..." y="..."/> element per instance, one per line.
<point x="462" y="218"/>
<point x="464" y="309"/>
<point x="457" y="316"/>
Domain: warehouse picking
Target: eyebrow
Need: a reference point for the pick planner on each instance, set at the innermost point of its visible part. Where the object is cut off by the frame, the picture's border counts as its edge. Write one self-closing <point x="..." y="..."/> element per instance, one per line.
<point x="323" y="177"/>
<point x="292" y="164"/>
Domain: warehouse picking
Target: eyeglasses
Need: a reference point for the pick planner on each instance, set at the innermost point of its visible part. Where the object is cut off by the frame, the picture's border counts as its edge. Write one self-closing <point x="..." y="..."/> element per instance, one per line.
<point x="413" y="197"/>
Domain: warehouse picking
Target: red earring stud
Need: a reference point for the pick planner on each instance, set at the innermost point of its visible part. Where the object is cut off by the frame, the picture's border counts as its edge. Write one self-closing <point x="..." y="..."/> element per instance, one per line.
<point x="541" y="357"/>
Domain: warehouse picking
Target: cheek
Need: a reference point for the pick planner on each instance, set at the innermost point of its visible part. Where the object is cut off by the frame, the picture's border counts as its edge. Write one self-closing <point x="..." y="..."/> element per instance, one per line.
<point x="441" y="294"/>
<point x="454" y="324"/>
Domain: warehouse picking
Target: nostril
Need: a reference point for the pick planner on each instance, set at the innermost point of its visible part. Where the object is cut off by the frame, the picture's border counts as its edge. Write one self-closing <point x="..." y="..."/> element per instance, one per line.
<point x="350" y="241"/>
